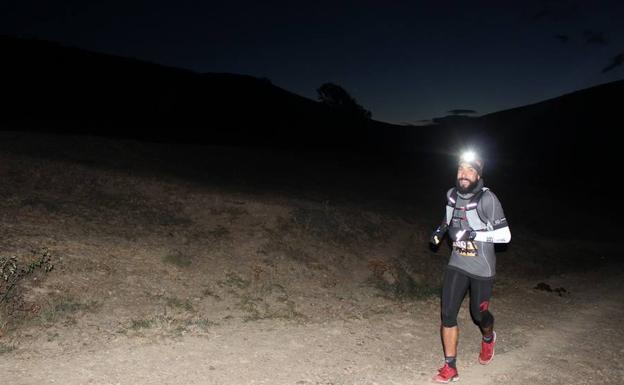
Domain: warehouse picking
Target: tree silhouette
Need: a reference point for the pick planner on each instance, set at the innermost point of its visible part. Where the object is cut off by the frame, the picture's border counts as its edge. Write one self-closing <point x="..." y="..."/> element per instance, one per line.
<point x="338" y="98"/>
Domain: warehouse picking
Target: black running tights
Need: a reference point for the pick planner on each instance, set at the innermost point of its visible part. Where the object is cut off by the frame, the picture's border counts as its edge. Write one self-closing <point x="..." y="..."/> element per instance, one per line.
<point x="454" y="289"/>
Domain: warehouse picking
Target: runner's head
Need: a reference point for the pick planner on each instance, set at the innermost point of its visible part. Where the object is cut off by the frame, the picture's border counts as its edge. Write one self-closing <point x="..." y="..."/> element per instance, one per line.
<point x="469" y="171"/>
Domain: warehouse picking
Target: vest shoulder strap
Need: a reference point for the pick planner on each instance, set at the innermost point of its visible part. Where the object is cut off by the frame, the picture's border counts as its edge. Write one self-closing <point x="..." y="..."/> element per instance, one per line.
<point x="477" y="198"/>
<point x="476" y="204"/>
<point x="452" y="199"/>
<point x="472" y="204"/>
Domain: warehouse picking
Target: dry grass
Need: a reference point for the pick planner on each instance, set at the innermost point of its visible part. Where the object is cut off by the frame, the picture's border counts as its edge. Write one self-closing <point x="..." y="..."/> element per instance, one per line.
<point x="6" y="348"/>
<point x="153" y="254"/>
<point x="178" y="258"/>
<point x="65" y="308"/>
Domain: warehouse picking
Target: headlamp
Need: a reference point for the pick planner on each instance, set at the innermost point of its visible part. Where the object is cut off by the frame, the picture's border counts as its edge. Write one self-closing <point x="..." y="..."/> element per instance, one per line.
<point x="468" y="156"/>
<point x="473" y="159"/>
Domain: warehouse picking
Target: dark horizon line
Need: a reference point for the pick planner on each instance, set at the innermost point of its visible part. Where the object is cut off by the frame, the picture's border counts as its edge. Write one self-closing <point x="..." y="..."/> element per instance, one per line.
<point x="191" y="71"/>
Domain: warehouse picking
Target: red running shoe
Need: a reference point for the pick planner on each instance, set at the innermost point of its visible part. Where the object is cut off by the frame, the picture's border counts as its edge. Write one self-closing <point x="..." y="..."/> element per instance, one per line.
<point x="487" y="351"/>
<point x="446" y="374"/>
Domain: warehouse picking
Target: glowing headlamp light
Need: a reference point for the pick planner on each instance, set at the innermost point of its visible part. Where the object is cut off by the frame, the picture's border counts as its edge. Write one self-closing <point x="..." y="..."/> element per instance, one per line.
<point x="473" y="159"/>
<point x="468" y="156"/>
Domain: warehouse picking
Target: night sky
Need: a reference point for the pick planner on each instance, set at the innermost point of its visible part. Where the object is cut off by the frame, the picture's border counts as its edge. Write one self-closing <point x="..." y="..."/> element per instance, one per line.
<point x="405" y="63"/>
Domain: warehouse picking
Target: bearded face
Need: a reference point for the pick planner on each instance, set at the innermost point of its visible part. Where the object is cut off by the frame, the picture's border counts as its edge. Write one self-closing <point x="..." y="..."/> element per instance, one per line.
<point x="467" y="178"/>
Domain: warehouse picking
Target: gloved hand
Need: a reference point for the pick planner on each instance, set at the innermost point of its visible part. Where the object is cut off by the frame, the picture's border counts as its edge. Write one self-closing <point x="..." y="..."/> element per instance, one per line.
<point x="459" y="235"/>
<point x="438" y="234"/>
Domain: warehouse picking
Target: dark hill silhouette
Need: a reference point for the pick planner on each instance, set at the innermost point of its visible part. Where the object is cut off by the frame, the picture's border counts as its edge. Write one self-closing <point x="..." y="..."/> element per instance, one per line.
<point x="554" y="162"/>
<point x="571" y="125"/>
<point x="564" y="136"/>
<point x="49" y="87"/>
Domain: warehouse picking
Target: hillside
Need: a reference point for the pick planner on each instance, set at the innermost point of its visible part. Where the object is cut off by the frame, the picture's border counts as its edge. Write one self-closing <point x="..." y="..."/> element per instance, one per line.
<point x="52" y="88"/>
<point x="577" y="129"/>
<point x="200" y="271"/>
<point x="49" y="87"/>
<point x="535" y="155"/>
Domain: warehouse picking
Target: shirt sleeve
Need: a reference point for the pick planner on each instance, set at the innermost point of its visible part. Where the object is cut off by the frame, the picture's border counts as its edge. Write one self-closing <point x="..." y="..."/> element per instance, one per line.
<point x="491" y="211"/>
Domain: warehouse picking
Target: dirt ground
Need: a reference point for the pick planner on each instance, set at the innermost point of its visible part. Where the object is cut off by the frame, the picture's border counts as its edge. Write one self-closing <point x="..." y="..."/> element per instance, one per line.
<point x="543" y="338"/>
<point x="159" y="279"/>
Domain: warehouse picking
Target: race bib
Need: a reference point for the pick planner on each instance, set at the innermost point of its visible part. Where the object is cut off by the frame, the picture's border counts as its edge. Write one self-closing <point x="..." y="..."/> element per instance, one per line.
<point x="465" y="248"/>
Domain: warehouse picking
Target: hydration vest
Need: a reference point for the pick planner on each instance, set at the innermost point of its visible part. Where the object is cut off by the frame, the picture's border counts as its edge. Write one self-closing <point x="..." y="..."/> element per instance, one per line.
<point x="472" y="214"/>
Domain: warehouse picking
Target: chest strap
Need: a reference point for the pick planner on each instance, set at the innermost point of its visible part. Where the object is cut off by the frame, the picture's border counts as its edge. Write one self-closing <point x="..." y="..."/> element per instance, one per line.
<point x="472" y="203"/>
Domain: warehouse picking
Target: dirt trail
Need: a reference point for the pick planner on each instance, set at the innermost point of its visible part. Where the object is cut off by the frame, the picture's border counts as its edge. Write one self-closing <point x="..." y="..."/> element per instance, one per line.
<point x="582" y="346"/>
<point x="574" y="340"/>
<point x="167" y="281"/>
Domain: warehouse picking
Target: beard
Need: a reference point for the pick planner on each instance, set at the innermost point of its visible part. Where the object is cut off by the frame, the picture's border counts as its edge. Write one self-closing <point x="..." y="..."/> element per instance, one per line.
<point x="468" y="189"/>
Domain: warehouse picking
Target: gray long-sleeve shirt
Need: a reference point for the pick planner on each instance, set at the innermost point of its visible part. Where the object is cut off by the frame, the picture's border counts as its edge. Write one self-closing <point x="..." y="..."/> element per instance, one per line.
<point x="477" y="257"/>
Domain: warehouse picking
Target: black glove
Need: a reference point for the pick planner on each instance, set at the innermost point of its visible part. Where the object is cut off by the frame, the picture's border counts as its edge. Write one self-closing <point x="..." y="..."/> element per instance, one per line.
<point x="438" y="234"/>
<point x="459" y="235"/>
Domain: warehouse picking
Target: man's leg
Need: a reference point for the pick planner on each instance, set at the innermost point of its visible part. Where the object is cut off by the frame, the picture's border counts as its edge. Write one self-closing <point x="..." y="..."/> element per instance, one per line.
<point x="450" y="336"/>
<point x="454" y="289"/>
<point x="480" y="294"/>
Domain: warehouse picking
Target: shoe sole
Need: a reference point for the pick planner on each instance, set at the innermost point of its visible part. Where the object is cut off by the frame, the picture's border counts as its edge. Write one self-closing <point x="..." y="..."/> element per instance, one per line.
<point x="491" y="358"/>
<point x="454" y="379"/>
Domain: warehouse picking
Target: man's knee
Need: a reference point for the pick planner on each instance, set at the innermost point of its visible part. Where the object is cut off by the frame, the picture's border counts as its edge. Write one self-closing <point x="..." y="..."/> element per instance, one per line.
<point x="449" y="319"/>
<point x="482" y="315"/>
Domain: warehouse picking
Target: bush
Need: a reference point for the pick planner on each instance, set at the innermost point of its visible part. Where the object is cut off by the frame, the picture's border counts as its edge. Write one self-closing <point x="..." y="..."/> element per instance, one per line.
<point x="13" y="272"/>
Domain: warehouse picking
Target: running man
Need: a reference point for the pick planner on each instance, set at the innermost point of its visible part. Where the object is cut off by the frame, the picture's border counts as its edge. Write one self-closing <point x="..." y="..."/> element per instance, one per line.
<point x="474" y="222"/>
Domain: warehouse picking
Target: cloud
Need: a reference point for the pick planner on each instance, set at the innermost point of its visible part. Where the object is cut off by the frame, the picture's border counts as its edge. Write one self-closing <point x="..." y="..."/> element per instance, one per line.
<point x="563" y="38"/>
<point x="417" y="123"/>
<point x="616" y="61"/>
<point x="541" y="15"/>
<point x="592" y="37"/>
<point x="556" y="11"/>
<point x="460" y="111"/>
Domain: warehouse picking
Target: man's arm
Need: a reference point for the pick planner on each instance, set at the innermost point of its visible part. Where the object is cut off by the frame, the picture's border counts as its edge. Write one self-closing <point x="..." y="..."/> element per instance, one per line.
<point x="440" y="231"/>
<point x="502" y="235"/>
<point x="491" y="210"/>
